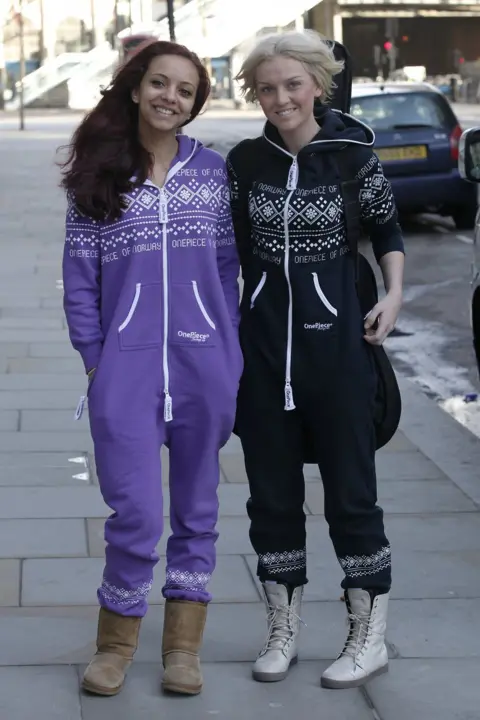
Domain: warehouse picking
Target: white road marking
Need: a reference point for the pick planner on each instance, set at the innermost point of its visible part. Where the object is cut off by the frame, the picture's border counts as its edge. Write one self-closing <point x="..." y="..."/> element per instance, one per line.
<point x="81" y="461"/>
<point x="412" y="292"/>
<point x="465" y="239"/>
<point x="82" y="476"/>
<point x="422" y="353"/>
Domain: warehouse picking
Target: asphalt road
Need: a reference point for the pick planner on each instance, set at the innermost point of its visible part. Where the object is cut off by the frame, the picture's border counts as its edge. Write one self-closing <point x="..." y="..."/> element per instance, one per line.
<point x="433" y="345"/>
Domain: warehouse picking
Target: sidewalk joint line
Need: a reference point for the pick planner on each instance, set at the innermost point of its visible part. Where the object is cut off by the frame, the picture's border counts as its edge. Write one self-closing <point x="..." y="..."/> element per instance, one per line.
<point x="369" y="701"/>
<point x="20" y="583"/>
<point x="252" y="576"/>
<point x="87" y="539"/>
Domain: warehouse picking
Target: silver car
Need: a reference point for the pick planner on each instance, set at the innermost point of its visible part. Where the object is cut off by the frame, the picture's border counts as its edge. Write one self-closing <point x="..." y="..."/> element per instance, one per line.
<point x="469" y="167"/>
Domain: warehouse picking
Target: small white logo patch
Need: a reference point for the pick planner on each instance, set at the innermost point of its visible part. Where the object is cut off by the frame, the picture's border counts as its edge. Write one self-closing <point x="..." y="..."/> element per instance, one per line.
<point x="194" y="336"/>
<point x="318" y="326"/>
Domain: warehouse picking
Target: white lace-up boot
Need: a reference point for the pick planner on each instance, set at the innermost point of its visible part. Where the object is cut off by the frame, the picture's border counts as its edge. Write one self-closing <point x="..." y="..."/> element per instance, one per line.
<point x="280" y="649"/>
<point x="365" y="653"/>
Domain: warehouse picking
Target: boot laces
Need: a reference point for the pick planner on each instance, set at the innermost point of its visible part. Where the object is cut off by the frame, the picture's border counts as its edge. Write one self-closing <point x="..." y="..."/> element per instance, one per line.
<point x="281" y="631"/>
<point x="359" y="636"/>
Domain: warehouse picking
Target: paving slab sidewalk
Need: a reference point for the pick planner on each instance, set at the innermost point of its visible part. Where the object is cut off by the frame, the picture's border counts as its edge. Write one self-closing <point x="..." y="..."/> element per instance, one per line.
<point x="51" y="531"/>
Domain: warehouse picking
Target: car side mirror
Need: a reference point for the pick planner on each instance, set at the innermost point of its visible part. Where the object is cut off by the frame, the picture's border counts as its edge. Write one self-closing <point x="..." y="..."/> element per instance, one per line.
<point x="469" y="155"/>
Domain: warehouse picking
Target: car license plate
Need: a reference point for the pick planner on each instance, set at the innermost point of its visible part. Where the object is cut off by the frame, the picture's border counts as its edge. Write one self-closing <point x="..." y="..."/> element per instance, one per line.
<point x="413" y="152"/>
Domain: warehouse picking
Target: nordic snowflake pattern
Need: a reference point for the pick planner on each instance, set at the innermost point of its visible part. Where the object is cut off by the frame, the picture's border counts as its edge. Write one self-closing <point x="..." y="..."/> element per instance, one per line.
<point x="361" y="565"/>
<point x="286" y="561"/>
<point x="121" y="596"/>
<point x="185" y="580"/>
<point x="195" y="209"/>
<point x="316" y="220"/>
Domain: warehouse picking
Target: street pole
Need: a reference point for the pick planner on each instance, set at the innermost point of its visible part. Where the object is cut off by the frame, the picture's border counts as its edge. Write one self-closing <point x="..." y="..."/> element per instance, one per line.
<point x="93" y="36"/>
<point x="206" y="60"/>
<point x="171" y="19"/>
<point x="116" y="26"/>
<point x="22" y="63"/>
<point x="41" y="53"/>
<point x="3" y="73"/>
<point x="171" y="32"/>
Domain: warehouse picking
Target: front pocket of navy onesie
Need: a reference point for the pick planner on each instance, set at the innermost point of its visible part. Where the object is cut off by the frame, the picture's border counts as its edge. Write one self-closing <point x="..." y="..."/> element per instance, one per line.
<point x="322" y="314"/>
<point x="326" y="302"/>
<point x="142" y="325"/>
<point x="192" y="322"/>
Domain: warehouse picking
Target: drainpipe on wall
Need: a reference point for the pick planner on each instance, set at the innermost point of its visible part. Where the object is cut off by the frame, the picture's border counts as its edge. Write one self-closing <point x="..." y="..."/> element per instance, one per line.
<point x="21" y="36"/>
<point x="171" y="19"/>
<point x="93" y="36"/>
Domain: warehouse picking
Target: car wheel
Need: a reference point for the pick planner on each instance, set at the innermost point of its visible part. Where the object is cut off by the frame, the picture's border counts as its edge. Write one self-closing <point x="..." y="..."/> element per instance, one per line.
<point x="464" y="217"/>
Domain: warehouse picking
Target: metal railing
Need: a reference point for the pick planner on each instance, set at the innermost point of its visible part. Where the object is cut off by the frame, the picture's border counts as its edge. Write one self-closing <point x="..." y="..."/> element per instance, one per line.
<point x="61" y="69"/>
<point x="212" y="28"/>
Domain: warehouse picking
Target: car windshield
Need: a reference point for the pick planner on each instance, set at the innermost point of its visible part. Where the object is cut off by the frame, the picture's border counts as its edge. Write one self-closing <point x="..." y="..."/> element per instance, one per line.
<point x="392" y="111"/>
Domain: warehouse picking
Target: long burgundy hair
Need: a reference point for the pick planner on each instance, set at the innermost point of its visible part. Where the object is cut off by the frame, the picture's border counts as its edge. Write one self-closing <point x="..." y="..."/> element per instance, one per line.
<point x="105" y="151"/>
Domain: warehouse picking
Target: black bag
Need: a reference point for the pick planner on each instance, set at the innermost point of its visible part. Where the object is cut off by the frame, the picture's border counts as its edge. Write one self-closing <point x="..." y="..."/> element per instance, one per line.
<point x="342" y="93"/>
<point x="388" y="402"/>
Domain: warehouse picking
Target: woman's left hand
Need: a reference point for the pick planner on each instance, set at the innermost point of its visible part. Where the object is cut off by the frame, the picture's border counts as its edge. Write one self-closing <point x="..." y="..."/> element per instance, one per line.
<point x="381" y="320"/>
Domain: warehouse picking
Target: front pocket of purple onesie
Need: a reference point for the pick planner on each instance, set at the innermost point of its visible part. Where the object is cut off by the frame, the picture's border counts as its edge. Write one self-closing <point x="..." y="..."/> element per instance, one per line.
<point x="192" y="322"/>
<point x="143" y="321"/>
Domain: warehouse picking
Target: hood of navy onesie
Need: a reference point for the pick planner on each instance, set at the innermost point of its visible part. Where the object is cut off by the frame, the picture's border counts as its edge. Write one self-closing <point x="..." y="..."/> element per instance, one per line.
<point x="334" y="127"/>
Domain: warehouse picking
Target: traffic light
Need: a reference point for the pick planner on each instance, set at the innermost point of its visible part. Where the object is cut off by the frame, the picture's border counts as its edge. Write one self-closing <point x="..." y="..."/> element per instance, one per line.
<point x="389" y="54"/>
<point x="458" y="59"/>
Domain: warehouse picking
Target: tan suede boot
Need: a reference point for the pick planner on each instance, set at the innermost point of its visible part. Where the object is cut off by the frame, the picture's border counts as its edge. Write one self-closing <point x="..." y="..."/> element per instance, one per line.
<point x="117" y="641"/>
<point x="182" y="638"/>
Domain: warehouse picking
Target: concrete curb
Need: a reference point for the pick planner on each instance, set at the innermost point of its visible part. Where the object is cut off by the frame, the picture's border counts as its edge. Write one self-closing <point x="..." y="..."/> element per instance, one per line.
<point x="453" y="448"/>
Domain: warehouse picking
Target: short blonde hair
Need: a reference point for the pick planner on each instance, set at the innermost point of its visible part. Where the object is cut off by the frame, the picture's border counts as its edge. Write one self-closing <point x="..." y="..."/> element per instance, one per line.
<point x="308" y="47"/>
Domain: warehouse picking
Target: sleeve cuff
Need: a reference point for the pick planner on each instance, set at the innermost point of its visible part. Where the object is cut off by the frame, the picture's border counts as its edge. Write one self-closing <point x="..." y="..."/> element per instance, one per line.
<point x="90" y="355"/>
<point x="385" y="245"/>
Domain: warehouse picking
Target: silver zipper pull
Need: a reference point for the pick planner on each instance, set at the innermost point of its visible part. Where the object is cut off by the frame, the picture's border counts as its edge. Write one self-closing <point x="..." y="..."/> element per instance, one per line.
<point x="289" y="404"/>
<point x="163" y="210"/>
<point x="80" y="407"/>
<point x="168" y="409"/>
<point x="293" y="175"/>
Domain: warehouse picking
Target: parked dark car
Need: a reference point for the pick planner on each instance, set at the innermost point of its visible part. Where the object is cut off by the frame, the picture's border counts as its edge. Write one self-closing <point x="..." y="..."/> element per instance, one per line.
<point x="417" y="141"/>
<point x="469" y="168"/>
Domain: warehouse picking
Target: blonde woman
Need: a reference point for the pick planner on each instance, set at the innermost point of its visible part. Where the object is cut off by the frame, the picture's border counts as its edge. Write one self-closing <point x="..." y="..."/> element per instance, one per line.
<point x="308" y="368"/>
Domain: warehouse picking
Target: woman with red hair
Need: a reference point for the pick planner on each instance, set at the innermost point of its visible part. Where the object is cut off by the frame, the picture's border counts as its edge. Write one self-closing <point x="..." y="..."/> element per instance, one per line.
<point x="151" y="298"/>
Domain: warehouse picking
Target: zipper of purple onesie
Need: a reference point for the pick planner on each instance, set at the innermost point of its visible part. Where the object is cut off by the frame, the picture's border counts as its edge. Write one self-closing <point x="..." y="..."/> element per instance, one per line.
<point x="163" y="217"/>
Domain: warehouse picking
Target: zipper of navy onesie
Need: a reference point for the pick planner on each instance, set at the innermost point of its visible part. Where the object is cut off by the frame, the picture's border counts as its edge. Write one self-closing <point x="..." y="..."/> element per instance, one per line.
<point x="292" y="183"/>
<point x="291" y="187"/>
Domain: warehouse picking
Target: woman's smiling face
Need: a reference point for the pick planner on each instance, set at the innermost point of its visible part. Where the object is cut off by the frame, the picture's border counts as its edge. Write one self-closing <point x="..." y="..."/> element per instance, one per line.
<point x="166" y="95"/>
<point x="286" y="92"/>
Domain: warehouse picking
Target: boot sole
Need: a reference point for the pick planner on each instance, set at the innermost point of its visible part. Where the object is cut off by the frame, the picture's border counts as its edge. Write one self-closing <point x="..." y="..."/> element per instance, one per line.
<point x="96" y="690"/>
<point x="273" y="677"/>
<point x="182" y="689"/>
<point x="345" y="684"/>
